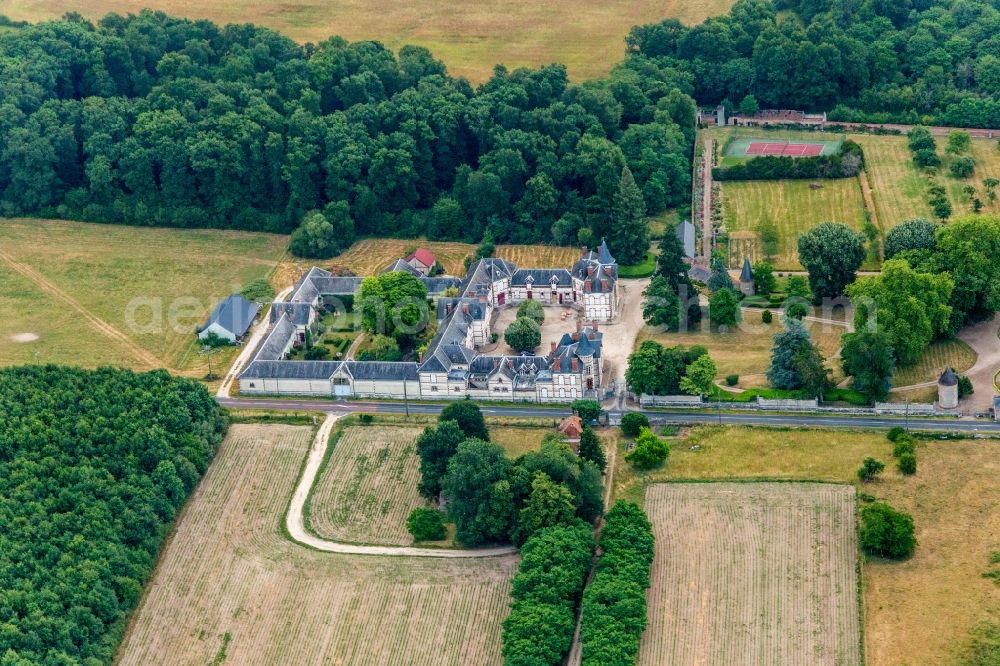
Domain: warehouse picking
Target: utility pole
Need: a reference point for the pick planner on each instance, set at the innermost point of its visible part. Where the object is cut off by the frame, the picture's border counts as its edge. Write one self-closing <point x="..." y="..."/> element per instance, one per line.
<point x="406" y="401"/>
<point x="207" y="351"/>
<point x="907" y="421"/>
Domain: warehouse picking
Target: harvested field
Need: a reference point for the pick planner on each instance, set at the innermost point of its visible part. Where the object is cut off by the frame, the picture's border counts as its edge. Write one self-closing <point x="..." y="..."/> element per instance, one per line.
<point x="752" y="573"/>
<point x="470" y="38"/>
<point x="518" y="441"/>
<point x="229" y="583"/>
<point x="370" y="256"/>
<point x="104" y="294"/>
<point x="368" y="487"/>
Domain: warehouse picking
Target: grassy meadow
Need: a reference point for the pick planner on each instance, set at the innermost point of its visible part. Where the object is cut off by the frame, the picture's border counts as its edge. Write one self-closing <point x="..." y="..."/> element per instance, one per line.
<point x="90" y="294"/>
<point x="952" y="499"/>
<point x="588" y="37"/>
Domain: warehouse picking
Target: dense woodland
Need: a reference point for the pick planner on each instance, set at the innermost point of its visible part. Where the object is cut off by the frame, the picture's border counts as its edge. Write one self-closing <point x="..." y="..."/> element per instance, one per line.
<point x="155" y="120"/>
<point x="878" y="60"/>
<point x="93" y="467"/>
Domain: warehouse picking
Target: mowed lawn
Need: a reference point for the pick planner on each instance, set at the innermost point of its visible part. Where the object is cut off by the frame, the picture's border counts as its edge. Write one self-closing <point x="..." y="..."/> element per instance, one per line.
<point x="752" y="573"/>
<point x="794" y="207"/>
<point x="230" y="587"/>
<point x="103" y="294"/>
<point x="746" y="350"/>
<point x="469" y="37"/>
<point x="952" y="499"/>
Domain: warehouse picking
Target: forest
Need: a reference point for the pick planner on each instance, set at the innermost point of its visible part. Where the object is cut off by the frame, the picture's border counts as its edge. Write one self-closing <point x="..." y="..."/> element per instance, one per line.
<point x="94" y="466"/>
<point x="908" y="61"/>
<point x="155" y="120"/>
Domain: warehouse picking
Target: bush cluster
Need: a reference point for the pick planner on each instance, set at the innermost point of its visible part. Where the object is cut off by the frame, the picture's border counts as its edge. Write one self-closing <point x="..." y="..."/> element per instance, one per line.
<point x="845" y="163"/>
<point x="546" y="590"/>
<point x="614" y="605"/>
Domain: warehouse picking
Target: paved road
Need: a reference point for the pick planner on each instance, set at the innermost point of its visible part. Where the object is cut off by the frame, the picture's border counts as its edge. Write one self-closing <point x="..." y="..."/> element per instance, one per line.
<point x="675" y="416"/>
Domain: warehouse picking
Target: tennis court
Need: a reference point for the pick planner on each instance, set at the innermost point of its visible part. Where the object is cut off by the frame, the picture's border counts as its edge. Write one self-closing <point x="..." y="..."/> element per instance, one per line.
<point x="751" y="147"/>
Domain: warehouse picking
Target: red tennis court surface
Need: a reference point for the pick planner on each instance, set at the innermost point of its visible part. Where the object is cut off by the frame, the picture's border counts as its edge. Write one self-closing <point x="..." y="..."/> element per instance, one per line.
<point x="789" y="149"/>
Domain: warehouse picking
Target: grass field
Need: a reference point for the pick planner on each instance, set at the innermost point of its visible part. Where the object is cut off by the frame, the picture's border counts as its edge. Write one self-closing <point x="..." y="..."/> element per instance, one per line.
<point x="752" y="573"/>
<point x="586" y="36"/>
<point x="746" y="351"/>
<point x="369" y="487"/>
<point x="793" y="207"/>
<point x="132" y="296"/>
<point x="369" y="256"/>
<point x="934" y="360"/>
<point x="952" y="499"/>
<point x="231" y="588"/>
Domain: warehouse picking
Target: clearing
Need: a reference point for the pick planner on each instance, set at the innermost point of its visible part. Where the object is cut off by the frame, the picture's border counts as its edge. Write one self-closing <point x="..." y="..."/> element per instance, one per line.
<point x="752" y="573"/>
<point x="952" y="499"/>
<point x="98" y="294"/>
<point x="746" y="350"/>
<point x="793" y="207"/>
<point x="231" y="586"/>
<point x="470" y="38"/>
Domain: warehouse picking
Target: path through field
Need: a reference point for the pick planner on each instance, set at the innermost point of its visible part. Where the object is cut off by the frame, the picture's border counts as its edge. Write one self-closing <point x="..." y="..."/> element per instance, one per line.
<point x="101" y="326"/>
<point x="753" y="574"/>
<point x="706" y="205"/>
<point x="231" y="583"/>
<point x="296" y="526"/>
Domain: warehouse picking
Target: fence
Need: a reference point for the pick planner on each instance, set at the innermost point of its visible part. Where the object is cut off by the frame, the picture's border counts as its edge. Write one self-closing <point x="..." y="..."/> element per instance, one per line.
<point x="913" y="408"/>
<point x="646" y="400"/>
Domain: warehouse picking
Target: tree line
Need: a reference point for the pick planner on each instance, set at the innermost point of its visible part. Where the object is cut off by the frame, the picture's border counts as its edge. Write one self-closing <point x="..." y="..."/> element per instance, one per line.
<point x="154" y="120"/>
<point x="94" y="465"/>
<point x="847" y="162"/>
<point x="912" y="61"/>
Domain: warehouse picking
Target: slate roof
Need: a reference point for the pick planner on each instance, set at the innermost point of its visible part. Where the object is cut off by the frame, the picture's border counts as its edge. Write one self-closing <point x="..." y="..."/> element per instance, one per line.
<point x="542" y="276"/>
<point x="686" y="234"/>
<point x="746" y="275"/>
<point x="948" y="378"/>
<point x="273" y="345"/>
<point x="291" y="370"/>
<point x="603" y="254"/>
<point x="401" y="265"/>
<point x="337" y="286"/>
<point x="234" y="314"/>
<point x="699" y="273"/>
<point x="382" y="370"/>
<point x="477" y="309"/>
<point x="305" y="289"/>
<point x="483" y="273"/>
<point x="298" y="312"/>
<point x="437" y="285"/>
<point x="584" y="347"/>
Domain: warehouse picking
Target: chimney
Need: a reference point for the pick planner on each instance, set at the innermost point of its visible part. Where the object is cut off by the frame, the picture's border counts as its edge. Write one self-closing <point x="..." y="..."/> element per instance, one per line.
<point x="465" y="308"/>
<point x="607" y="270"/>
<point x="583" y="251"/>
<point x="552" y="347"/>
<point x="573" y="365"/>
<point x="594" y="326"/>
<point x="449" y="308"/>
<point x="586" y="286"/>
<point x="496" y="363"/>
<point x="590" y="269"/>
<point x="604" y="284"/>
<point x="592" y="336"/>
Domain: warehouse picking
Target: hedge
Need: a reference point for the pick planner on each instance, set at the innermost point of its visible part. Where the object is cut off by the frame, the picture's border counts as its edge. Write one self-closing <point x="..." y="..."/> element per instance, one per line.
<point x="614" y="605"/>
<point x="795" y="168"/>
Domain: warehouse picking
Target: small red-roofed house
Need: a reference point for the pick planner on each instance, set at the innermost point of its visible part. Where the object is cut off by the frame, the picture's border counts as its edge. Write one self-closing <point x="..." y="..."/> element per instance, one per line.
<point x="422" y="259"/>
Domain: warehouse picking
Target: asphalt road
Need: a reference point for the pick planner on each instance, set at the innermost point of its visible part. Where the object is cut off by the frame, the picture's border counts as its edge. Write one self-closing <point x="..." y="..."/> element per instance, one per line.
<point x="674" y="416"/>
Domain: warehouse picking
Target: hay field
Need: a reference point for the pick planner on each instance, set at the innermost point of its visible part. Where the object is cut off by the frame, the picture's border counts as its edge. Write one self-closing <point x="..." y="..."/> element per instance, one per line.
<point x="752" y="573"/>
<point x="372" y="255"/>
<point x="793" y="207"/>
<point x="231" y="588"/>
<point x="368" y="487"/>
<point x="952" y="499"/>
<point x="469" y="37"/>
<point x="746" y="350"/>
<point x="130" y="296"/>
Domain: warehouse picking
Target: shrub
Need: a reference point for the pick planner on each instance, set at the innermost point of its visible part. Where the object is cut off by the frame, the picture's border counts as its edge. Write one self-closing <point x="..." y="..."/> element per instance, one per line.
<point x="797" y="310"/>
<point x="587" y="410"/>
<point x="766" y="316"/>
<point x="870" y="468"/>
<point x="965" y="387"/>
<point x="523" y="335"/>
<point x="258" y="290"/>
<point x="366" y="419"/>
<point x="532" y="310"/>
<point x="650" y="451"/>
<point x="902" y="447"/>
<point x="907" y="463"/>
<point x="426" y="524"/>
<point x="963" y="167"/>
<point x="317" y="353"/>
<point x="886" y="532"/>
<point x="732" y="380"/>
<point x="895" y="433"/>
<point x="633" y="423"/>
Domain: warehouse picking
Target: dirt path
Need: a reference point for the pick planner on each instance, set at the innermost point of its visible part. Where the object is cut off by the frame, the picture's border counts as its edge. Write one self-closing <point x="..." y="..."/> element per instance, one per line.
<point x="984" y="341"/>
<point x="869" y="199"/>
<point x="706" y="202"/>
<point x="296" y="525"/>
<point x="101" y="326"/>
